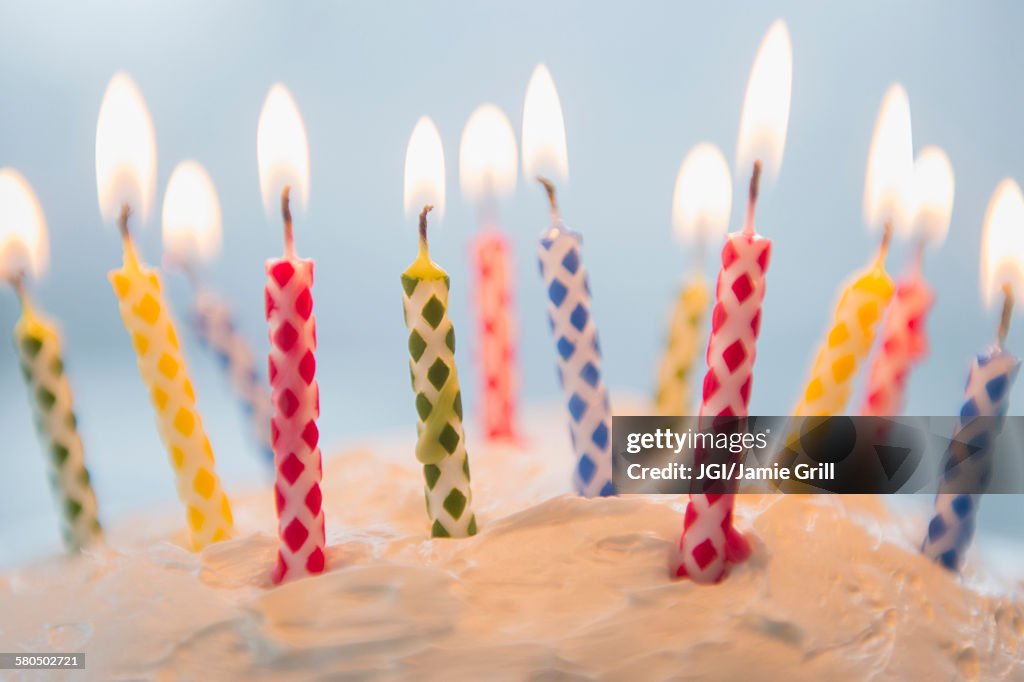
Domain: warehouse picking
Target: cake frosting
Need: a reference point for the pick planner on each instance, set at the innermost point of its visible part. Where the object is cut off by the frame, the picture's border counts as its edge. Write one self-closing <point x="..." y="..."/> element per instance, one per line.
<point x="553" y="587"/>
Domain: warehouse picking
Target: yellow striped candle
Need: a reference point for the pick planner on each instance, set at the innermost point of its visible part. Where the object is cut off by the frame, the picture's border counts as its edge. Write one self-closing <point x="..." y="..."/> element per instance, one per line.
<point x="125" y="177"/>
<point x="147" y="319"/>
<point x="682" y="349"/>
<point x="887" y="186"/>
<point x="849" y="340"/>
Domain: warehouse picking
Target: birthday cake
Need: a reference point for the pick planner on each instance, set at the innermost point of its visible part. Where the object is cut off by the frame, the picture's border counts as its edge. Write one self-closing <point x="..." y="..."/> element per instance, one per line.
<point x="554" y="586"/>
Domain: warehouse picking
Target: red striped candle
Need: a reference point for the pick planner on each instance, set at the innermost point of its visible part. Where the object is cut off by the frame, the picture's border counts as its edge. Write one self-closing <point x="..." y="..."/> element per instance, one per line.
<point x="903" y="343"/>
<point x="497" y="333"/>
<point x="296" y="397"/>
<point x="709" y="542"/>
<point x="487" y="173"/>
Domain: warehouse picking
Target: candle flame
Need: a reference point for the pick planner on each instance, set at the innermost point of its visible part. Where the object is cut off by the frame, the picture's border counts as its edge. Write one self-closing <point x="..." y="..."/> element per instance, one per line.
<point x="544" y="149"/>
<point x="487" y="155"/>
<point x="191" y="215"/>
<point x="125" y="151"/>
<point x="424" y="170"/>
<point x="890" y="173"/>
<point x="702" y="198"/>
<point x="282" y="150"/>
<point x="23" y="242"/>
<point x="1002" y="242"/>
<point x="932" y="190"/>
<point x="765" y="116"/>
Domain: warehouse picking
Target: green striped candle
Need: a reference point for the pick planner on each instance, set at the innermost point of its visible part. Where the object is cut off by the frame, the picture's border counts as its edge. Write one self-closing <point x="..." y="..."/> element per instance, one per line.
<point x="39" y="348"/>
<point x="441" y="442"/>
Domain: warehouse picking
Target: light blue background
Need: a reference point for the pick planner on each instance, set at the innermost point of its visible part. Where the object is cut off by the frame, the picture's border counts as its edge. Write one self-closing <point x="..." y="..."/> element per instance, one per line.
<point x="640" y="84"/>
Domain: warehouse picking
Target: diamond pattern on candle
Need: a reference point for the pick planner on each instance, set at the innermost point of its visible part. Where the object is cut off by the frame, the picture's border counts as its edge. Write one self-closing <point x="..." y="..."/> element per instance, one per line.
<point x="39" y="347"/>
<point x="902" y="344"/>
<point x="294" y="434"/>
<point x="709" y="543"/>
<point x="147" y="321"/>
<point x="579" y="360"/>
<point x="969" y="458"/>
<point x="215" y="326"/>
<point x="684" y="338"/>
<point x="435" y="382"/>
<point x="847" y="344"/>
<point x="732" y="347"/>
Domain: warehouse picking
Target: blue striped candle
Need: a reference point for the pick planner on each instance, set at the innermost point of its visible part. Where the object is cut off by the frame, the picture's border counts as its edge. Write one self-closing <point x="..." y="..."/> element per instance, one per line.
<point x="215" y="326"/>
<point x="578" y="353"/>
<point x="968" y="462"/>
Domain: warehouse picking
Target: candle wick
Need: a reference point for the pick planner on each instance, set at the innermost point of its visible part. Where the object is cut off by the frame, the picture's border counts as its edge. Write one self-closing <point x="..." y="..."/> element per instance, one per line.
<point x="18" y="284"/>
<point x="122" y="221"/>
<point x="1004" y="319"/>
<point x="552" y="198"/>
<point x="286" y="216"/>
<point x="755" y="188"/>
<point x="883" y="248"/>
<point x="423" y="224"/>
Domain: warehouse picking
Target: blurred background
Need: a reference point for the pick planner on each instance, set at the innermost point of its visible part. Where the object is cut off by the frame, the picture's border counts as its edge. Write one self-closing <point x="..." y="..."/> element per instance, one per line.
<point x="639" y="85"/>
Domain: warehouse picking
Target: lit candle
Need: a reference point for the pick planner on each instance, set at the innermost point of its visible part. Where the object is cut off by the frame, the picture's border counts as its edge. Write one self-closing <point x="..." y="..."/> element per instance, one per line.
<point x="968" y="465"/>
<point x="709" y="543"/>
<point x="191" y="235"/>
<point x="23" y="250"/>
<point x="487" y="172"/>
<point x="565" y="279"/>
<point x="863" y="301"/>
<point x="701" y="204"/>
<point x="903" y="339"/>
<point x="282" y="152"/>
<point x="125" y="180"/>
<point x="441" y="442"/>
